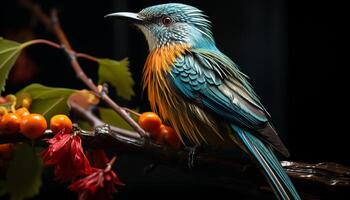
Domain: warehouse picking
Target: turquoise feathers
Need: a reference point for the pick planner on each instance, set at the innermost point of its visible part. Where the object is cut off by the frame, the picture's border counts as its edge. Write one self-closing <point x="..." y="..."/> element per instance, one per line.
<point x="180" y="13"/>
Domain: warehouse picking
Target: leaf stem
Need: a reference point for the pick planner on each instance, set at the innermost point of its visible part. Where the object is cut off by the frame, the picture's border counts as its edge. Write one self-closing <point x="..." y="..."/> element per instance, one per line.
<point x="86" y="56"/>
<point x="40" y="41"/>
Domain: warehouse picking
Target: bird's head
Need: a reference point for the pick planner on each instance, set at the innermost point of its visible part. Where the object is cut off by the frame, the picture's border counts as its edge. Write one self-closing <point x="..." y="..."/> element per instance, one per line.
<point x="172" y="23"/>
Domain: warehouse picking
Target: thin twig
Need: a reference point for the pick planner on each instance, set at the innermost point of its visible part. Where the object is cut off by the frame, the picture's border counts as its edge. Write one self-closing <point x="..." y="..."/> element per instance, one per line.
<point x="58" y="31"/>
<point x="132" y="111"/>
<point x="96" y="122"/>
<point x="56" y="28"/>
<point x="88" y="82"/>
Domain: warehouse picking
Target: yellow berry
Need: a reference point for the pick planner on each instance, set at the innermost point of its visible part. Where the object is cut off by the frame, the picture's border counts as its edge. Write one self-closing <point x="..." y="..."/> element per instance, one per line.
<point x="26" y="102"/>
<point x="11" y="98"/>
<point x="3" y="110"/>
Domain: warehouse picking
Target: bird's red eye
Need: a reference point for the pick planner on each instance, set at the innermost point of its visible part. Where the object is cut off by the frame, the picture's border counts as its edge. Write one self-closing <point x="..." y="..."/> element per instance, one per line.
<point x="166" y="20"/>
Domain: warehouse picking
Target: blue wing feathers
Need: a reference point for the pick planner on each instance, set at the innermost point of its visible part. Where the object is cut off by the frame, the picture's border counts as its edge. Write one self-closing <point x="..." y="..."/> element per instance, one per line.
<point x="227" y="97"/>
<point x="204" y="84"/>
<point x="194" y="79"/>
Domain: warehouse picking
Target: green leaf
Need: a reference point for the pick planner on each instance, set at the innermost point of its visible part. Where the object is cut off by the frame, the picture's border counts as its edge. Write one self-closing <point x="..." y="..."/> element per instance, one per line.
<point x="48" y="101"/>
<point x="118" y="75"/>
<point x="23" y="177"/>
<point x="9" y="52"/>
<point x="109" y="116"/>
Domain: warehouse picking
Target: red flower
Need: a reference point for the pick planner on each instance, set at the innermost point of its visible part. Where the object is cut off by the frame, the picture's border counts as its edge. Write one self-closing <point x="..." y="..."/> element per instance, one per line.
<point x="66" y="153"/>
<point x="98" y="185"/>
<point x="57" y="148"/>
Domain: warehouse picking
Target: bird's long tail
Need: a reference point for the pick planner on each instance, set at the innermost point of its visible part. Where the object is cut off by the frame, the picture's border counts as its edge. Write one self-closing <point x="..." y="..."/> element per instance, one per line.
<point x="272" y="169"/>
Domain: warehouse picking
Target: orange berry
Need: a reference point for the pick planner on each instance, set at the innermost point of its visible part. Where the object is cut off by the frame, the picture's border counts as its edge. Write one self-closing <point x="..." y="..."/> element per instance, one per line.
<point x="59" y="122"/>
<point x="22" y="112"/>
<point x="33" y="126"/>
<point x="10" y="123"/>
<point x="150" y="122"/>
<point x="168" y="136"/>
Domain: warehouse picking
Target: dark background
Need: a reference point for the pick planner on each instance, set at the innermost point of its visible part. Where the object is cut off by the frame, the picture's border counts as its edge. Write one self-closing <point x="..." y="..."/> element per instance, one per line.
<point x="290" y="49"/>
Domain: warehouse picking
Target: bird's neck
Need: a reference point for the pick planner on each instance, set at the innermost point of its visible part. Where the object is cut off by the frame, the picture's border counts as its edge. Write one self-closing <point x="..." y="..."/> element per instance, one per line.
<point x="151" y="40"/>
<point x="160" y="60"/>
<point x="158" y="64"/>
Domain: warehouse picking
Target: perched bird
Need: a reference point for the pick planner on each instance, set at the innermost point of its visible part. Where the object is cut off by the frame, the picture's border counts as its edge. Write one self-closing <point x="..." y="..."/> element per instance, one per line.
<point x="202" y="93"/>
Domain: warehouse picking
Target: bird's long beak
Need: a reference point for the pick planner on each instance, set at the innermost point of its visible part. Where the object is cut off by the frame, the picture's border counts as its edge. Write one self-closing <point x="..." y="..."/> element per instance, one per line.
<point x="132" y="17"/>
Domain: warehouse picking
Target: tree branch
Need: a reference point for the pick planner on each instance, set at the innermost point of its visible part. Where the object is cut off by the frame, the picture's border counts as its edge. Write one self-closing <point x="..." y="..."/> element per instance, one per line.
<point x="120" y="140"/>
<point x="230" y="164"/>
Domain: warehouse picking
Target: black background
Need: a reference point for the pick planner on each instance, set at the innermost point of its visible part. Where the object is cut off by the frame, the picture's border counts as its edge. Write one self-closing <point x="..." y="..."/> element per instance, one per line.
<point x="290" y="49"/>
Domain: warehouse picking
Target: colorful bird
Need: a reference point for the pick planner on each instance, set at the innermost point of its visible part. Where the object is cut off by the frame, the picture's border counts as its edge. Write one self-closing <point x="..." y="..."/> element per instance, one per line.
<point x="202" y="93"/>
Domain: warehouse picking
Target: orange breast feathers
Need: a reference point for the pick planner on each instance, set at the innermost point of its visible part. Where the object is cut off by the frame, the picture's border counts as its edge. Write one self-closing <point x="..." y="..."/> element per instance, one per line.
<point x="158" y="63"/>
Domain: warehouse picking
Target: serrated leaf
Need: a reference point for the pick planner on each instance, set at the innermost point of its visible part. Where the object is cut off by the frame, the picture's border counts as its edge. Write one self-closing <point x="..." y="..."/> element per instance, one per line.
<point x="109" y="116"/>
<point x="118" y="75"/>
<point x="48" y="101"/>
<point x="23" y="177"/>
<point x="9" y="52"/>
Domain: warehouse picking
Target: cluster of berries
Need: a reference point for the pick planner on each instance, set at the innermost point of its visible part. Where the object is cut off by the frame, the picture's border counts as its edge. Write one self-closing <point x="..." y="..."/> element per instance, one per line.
<point x="31" y="125"/>
<point x="91" y="175"/>
<point x="160" y="133"/>
<point x="20" y="120"/>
